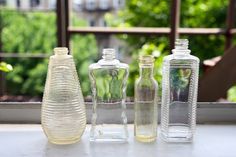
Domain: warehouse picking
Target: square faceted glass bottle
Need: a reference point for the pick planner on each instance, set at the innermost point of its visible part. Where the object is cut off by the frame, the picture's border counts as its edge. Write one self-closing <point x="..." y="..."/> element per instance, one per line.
<point x="179" y="94"/>
<point x="108" y="81"/>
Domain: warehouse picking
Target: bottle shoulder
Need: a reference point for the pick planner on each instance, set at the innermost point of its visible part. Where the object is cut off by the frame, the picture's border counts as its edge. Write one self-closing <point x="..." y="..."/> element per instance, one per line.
<point x="174" y="57"/>
<point x="102" y="65"/>
<point x="64" y="57"/>
<point x="143" y="81"/>
<point x="66" y="60"/>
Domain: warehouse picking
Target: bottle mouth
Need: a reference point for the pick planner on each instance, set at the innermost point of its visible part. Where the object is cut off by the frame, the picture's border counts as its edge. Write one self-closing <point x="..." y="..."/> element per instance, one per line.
<point x="146" y="59"/>
<point x="108" y="54"/>
<point x="181" y="47"/>
<point x="60" y="51"/>
<point x="181" y="44"/>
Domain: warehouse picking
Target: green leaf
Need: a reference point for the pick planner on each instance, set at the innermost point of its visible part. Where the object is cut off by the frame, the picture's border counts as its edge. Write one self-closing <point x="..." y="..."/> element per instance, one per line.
<point x="5" y="67"/>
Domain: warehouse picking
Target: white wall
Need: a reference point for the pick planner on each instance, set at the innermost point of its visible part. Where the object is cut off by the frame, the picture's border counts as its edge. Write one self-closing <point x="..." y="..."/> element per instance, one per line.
<point x="25" y="4"/>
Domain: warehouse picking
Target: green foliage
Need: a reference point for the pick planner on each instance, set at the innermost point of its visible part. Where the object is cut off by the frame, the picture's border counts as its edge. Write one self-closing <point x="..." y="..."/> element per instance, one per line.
<point x="231" y="94"/>
<point x="27" y="33"/>
<point x="108" y="80"/>
<point x="180" y="77"/>
<point x="204" y="14"/>
<point x="194" y="13"/>
<point x="84" y="49"/>
<point x="35" y="32"/>
<point x="147" y="49"/>
<point x="5" y="67"/>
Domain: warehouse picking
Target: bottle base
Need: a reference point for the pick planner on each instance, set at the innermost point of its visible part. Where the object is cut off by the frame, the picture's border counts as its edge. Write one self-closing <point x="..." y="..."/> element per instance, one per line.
<point x="172" y="138"/>
<point x="177" y="133"/>
<point x="145" y="139"/>
<point x="112" y="137"/>
<point x="109" y="133"/>
<point x="64" y="141"/>
<point x="109" y="139"/>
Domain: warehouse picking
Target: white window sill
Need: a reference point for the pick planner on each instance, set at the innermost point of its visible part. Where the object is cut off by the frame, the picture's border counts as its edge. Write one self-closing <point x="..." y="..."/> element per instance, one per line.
<point x="30" y="141"/>
<point x="27" y="112"/>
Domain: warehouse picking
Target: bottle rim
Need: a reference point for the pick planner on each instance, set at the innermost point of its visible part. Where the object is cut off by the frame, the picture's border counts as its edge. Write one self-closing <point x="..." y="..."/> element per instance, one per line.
<point x="181" y="47"/>
<point x="60" y="50"/>
<point x="146" y="59"/>
<point x="108" y="54"/>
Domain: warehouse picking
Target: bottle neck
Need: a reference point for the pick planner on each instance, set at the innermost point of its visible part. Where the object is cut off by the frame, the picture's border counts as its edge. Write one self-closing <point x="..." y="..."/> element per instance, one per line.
<point x="181" y="47"/>
<point x="61" y="51"/>
<point x="108" y="54"/>
<point x="146" y="71"/>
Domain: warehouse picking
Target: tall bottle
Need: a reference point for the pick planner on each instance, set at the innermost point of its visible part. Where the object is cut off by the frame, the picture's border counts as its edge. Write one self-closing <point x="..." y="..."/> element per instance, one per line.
<point x="146" y="99"/>
<point x="63" y="111"/>
<point x="179" y="94"/>
<point x="108" y="81"/>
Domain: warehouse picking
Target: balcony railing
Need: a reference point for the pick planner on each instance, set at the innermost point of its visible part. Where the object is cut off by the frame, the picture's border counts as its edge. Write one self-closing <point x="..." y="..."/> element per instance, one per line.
<point x="64" y="31"/>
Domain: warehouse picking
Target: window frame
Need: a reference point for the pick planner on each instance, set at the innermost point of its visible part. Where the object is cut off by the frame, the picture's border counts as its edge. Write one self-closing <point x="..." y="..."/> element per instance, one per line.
<point x="207" y="112"/>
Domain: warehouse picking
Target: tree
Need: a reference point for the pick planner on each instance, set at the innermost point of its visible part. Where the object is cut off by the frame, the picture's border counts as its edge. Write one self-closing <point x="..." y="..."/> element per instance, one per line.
<point x="194" y="13"/>
<point x="35" y="32"/>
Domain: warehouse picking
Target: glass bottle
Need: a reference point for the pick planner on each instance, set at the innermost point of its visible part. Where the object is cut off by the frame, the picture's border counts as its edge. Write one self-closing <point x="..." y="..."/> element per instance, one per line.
<point x="108" y="82"/>
<point x="63" y="111"/>
<point x="179" y="94"/>
<point x="146" y="99"/>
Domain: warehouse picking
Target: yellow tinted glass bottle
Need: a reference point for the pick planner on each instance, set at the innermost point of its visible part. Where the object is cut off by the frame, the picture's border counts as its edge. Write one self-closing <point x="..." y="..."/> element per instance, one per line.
<point x="146" y="87"/>
<point x="63" y="110"/>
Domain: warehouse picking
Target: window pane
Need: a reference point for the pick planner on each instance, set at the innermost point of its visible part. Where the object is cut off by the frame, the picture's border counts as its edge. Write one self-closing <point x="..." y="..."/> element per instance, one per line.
<point x="27" y="33"/>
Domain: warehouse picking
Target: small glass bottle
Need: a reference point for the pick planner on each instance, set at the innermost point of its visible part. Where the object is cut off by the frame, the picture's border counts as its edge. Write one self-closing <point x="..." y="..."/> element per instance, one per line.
<point x="108" y="81"/>
<point x="63" y="114"/>
<point x="146" y="99"/>
<point x="179" y="94"/>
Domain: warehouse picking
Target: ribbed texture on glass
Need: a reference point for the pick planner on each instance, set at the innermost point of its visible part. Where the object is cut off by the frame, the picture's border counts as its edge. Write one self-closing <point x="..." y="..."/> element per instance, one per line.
<point x="181" y="44"/>
<point x="179" y="96"/>
<point x="63" y="109"/>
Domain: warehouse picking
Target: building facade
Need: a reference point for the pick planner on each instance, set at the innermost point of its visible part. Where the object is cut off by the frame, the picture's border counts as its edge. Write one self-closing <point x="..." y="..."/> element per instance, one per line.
<point x="29" y="4"/>
<point x="94" y="11"/>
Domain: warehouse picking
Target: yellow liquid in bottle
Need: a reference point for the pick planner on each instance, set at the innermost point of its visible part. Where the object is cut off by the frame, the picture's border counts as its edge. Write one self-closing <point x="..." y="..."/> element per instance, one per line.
<point x="145" y="122"/>
<point x="145" y="138"/>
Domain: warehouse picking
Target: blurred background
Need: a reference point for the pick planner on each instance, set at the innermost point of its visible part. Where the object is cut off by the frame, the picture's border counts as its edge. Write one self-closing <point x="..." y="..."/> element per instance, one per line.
<point x="30" y="29"/>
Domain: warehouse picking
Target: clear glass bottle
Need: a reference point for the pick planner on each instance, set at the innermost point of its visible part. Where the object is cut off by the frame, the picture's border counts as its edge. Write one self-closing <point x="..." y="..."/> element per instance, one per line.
<point x="179" y="94"/>
<point x="63" y="114"/>
<point x="146" y="99"/>
<point x="108" y="81"/>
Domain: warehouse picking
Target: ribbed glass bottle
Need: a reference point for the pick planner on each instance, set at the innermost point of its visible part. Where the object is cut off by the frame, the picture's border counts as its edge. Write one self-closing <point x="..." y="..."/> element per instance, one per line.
<point x="63" y="114"/>
<point x="146" y="99"/>
<point x="108" y="81"/>
<point x="179" y="94"/>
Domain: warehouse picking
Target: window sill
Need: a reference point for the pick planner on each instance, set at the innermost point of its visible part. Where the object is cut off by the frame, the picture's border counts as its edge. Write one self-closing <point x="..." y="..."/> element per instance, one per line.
<point x="29" y="140"/>
<point x="27" y="112"/>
